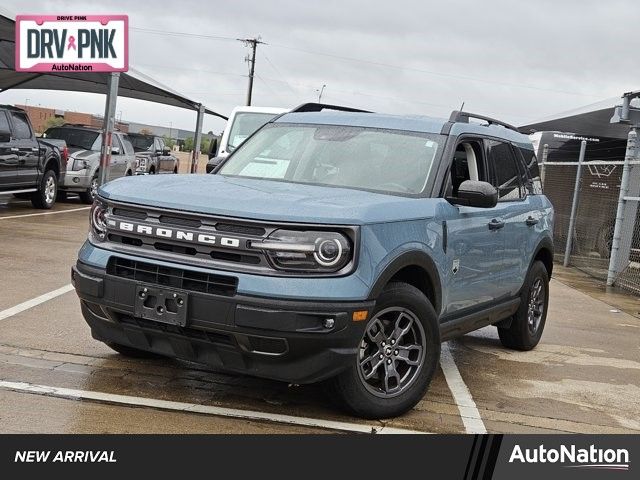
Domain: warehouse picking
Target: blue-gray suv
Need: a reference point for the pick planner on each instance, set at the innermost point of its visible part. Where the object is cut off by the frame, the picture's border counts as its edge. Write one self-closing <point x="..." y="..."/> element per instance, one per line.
<point x="335" y="245"/>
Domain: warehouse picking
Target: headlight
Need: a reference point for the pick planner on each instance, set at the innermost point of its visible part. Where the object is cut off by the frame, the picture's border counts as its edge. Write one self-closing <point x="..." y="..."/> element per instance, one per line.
<point x="307" y="250"/>
<point x="98" y="221"/>
<point x="79" y="164"/>
<point x="141" y="162"/>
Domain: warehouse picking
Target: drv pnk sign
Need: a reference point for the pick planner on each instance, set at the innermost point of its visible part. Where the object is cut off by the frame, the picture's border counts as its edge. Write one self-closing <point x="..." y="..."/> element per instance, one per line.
<point x="72" y="43"/>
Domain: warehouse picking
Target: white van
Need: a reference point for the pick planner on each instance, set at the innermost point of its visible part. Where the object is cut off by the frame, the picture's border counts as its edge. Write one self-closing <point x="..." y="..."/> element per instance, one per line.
<point x="242" y="122"/>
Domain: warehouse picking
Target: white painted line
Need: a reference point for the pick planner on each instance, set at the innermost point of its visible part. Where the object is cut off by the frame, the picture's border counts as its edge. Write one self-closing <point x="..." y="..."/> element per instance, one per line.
<point x="466" y="406"/>
<point x="21" y="307"/>
<point x="195" y="408"/>
<point x="45" y="213"/>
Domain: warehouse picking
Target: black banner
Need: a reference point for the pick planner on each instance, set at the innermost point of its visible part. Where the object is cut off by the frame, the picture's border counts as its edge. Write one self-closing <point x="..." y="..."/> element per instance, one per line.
<point x="332" y="456"/>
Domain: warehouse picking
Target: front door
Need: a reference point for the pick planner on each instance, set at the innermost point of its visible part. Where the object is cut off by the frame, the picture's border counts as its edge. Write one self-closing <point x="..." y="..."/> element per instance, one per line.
<point x="28" y="149"/>
<point x="8" y="155"/>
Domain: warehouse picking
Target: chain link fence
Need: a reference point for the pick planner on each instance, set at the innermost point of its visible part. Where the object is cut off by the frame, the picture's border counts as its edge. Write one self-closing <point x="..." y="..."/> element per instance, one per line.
<point x="586" y="211"/>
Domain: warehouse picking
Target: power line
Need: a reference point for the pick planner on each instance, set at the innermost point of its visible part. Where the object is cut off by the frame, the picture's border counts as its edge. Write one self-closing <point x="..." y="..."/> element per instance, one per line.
<point x="181" y="34"/>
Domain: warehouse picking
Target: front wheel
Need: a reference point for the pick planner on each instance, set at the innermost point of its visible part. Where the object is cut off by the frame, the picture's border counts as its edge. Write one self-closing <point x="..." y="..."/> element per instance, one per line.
<point x="89" y="195"/>
<point x="397" y="356"/>
<point x="45" y="197"/>
<point x="528" y="322"/>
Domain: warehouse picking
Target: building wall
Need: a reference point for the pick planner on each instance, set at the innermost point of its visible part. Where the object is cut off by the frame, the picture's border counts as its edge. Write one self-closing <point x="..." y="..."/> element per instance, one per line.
<point x="40" y="115"/>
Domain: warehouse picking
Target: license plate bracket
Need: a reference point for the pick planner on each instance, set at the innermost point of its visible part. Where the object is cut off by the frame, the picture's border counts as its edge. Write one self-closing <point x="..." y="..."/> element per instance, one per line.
<point x="164" y="305"/>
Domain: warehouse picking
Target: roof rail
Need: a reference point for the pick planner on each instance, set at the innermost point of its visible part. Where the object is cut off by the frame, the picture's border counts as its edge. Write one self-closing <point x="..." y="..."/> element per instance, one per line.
<point x="318" y="107"/>
<point x="459" y="116"/>
<point x="85" y="125"/>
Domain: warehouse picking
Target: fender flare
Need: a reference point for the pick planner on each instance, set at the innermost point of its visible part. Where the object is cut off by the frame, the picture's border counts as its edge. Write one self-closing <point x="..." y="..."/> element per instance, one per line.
<point x="546" y="243"/>
<point x="407" y="259"/>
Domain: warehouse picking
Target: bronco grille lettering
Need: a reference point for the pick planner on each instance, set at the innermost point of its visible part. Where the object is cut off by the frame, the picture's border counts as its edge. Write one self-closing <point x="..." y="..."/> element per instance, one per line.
<point x="170" y="233"/>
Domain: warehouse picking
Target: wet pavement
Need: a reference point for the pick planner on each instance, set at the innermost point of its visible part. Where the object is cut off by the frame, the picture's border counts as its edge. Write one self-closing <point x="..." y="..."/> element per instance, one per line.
<point x="583" y="377"/>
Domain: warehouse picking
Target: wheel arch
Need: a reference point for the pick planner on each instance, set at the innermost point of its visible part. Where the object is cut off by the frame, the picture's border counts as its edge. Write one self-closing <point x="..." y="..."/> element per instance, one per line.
<point x="544" y="253"/>
<point x="52" y="163"/>
<point x="417" y="269"/>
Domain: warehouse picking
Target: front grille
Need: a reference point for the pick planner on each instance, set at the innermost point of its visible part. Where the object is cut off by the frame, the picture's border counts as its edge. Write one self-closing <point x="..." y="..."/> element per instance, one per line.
<point x="172" y="277"/>
<point x="183" y="222"/>
<point x="125" y="212"/>
<point x="241" y="229"/>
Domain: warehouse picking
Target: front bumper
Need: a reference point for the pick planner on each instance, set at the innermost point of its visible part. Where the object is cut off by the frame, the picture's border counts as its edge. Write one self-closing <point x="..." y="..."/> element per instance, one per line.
<point x="75" y="180"/>
<point x="278" y="339"/>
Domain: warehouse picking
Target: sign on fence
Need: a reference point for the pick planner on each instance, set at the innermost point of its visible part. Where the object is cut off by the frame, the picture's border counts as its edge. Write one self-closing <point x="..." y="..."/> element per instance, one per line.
<point x="72" y="43"/>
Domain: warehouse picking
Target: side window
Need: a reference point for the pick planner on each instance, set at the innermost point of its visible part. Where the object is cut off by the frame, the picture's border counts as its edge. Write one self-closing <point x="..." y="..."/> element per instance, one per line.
<point x="128" y="147"/>
<point x="21" y="125"/>
<point x="156" y="144"/>
<point x="160" y="144"/>
<point x="116" y="143"/>
<point x="507" y="177"/>
<point x="4" y="122"/>
<point x="467" y="164"/>
<point x="530" y="162"/>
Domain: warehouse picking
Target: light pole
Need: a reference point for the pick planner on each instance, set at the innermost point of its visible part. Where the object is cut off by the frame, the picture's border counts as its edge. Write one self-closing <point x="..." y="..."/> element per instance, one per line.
<point x="320" y="94"/>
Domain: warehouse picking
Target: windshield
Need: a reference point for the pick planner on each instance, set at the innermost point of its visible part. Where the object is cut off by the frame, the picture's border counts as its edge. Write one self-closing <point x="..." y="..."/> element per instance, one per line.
<point x="76" y="137"/>
<point x="244" y="124"/>
<point x="141" y="143"/>
<point x="388" y="161"/>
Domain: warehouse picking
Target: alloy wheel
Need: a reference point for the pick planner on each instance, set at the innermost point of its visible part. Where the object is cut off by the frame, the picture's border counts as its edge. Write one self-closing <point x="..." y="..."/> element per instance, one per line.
<point x="392" y="352"/>
<point x="536" y="306"/>
<point x="50" y="190"/>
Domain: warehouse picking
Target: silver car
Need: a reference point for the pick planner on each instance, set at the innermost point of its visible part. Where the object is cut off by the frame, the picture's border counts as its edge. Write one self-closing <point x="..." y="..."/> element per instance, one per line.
<point x="82" y="170"/>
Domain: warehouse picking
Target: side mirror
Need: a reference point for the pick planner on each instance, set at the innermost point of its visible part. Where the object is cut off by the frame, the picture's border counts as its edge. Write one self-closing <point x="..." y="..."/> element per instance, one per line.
<point x="213" y="163"/>
<point x="472" y="193"/>
<point x="213" y="148"/>
<point x="115" y="150"/>
<point x="166" y="152"/>
<point x="5" y="136"/>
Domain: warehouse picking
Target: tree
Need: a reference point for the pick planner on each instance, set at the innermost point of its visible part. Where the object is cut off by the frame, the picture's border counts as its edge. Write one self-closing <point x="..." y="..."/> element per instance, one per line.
<point x="204" y="144"/>
<point x="188" y="144"/>
<point x="53" y="122"/>
<point x="169" y="142"/>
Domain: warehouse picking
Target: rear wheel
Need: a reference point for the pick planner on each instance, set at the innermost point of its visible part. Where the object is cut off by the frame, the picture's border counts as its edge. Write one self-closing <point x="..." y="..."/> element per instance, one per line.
<point x="527" y="324"/>
<point x="89" y="195"/>
<point x="45" y="197"/>
<point x="397" y="357"/>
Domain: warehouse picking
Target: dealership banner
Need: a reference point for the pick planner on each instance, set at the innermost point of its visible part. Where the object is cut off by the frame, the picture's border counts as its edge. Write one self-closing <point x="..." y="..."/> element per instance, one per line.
<point x="72" y="43"/>
<point x="463" y="457"/>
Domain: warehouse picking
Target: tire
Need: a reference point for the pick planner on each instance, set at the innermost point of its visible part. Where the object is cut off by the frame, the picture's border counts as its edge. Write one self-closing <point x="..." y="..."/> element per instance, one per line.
<point x="527" y="324"/>
<point x="175" y="170"/>
<point x="131" y="352"/>
<point x="45" y="197"/>
<point x="89" y="195"/>
<point x="129" y="173"/>
<point x="400" y="306"/>
<point x="152" y="171"/>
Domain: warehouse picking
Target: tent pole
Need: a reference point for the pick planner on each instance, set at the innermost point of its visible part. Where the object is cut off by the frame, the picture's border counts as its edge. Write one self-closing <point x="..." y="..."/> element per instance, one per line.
<point x="197" y="140"/>
<point x="108" y="126"/>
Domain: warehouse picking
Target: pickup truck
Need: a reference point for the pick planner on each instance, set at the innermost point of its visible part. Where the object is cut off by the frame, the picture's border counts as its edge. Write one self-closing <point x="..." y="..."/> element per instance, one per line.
<point x="152" y="155"/>
<point x="29" y="167"/>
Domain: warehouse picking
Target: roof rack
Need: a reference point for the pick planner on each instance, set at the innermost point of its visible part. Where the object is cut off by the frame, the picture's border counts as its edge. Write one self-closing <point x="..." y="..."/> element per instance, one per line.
<point x="318" y="107"/>
<point x="459" y="116"/>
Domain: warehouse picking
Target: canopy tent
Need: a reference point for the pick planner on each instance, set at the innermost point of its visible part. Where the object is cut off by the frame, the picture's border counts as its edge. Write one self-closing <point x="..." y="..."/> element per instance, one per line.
<point x="132" y="84"/>
<point x="590" y="120"/>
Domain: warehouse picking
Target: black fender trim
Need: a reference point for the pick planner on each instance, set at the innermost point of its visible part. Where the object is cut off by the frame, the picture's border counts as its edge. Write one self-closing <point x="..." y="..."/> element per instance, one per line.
<point x="407" y="259"/>
<point x="547" y="244"/>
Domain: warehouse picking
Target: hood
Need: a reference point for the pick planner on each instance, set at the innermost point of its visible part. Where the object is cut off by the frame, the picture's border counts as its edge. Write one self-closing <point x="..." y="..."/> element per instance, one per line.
<point x="82" y="154"/>
<point x="263" y="199"/>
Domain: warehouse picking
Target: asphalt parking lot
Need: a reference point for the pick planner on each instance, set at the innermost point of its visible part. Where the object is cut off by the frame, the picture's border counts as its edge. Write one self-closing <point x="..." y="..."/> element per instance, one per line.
<point x="584" y="377"/>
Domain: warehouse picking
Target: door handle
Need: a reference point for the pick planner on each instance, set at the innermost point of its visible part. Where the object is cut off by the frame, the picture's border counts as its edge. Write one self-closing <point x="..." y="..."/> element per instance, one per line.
<point x="531" y="221"/>
<point x="495" y="224"/>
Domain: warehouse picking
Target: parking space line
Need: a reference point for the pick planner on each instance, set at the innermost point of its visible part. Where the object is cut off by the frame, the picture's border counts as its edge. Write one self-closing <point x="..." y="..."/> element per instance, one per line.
<point x="44" y="213"/>
<point x="462" y="396"/>
<point x="21" y="307"/>
<point x="111" y="398"/>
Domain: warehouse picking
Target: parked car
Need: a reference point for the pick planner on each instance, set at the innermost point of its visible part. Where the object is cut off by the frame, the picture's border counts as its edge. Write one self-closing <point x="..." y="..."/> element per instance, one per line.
<point x="82" y="171"/>
<point x="331" y="245"/>
<point x="242" y="123"/>
<point x="29" y="167"/>
<point x="152" y="155"/>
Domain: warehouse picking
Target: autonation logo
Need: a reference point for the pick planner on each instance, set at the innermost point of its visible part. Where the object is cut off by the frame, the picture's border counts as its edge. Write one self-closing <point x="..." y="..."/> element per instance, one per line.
<point x="573" y="457"/>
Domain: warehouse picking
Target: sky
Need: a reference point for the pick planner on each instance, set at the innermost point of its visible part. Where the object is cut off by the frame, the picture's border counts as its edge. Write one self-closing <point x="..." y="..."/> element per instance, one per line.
<point x="516" y="61"/>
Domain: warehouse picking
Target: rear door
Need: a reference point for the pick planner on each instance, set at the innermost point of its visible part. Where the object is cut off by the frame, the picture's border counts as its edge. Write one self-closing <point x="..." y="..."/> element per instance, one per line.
<point x="517" y="212"/>
<point x="28" y="149"/>
<point x="118" y="158"/>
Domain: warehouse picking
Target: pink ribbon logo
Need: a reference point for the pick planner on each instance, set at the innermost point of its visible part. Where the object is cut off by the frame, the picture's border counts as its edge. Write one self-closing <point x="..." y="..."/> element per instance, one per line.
<point x="72" y="43"/>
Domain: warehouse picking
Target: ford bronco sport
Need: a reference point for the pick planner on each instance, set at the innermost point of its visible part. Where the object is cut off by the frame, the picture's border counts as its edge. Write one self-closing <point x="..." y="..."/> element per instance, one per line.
<point x="331" y="245"/>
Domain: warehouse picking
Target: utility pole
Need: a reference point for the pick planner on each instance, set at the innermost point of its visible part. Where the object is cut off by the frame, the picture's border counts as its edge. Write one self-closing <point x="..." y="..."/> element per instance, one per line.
<point x="320" y="94"/>
<point x="251" y="60"/>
